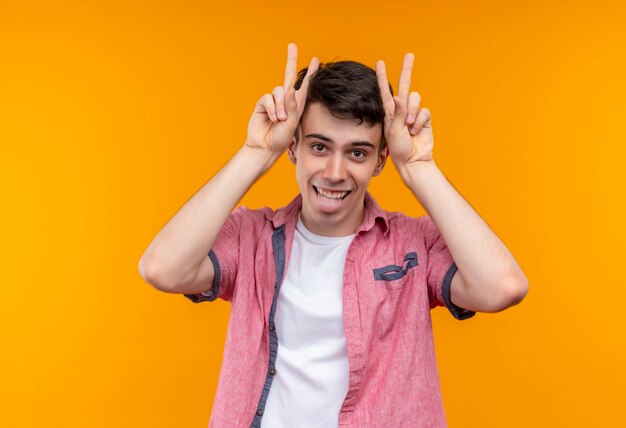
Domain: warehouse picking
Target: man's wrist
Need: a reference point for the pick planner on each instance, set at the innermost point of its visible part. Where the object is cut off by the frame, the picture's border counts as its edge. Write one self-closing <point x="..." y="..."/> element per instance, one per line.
<point x="418" y="173"/>
<point x="259" y="158"/>
<point x="429" y="185"/>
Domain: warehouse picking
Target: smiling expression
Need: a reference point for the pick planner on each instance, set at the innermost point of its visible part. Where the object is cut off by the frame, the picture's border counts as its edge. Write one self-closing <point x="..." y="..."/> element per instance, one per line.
<point x="335" y="160"/>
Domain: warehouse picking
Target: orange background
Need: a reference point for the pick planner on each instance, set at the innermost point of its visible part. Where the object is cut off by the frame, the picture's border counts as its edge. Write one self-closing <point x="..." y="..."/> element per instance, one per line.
<point x="113" y="113"/>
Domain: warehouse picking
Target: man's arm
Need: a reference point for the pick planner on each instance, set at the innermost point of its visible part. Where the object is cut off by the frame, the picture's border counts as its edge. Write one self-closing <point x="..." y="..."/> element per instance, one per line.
<point x="489" y="278"/>
<point x="172" y="260"/>
<point x="176" y="260"/>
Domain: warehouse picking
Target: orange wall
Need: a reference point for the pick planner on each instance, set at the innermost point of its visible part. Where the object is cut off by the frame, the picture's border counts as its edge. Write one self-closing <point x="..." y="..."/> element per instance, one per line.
<point x="113" y="113"/>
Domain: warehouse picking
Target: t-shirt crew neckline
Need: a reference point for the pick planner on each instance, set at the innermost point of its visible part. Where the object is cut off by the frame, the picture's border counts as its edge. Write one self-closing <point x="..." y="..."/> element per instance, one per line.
<point x="319" y="239"/>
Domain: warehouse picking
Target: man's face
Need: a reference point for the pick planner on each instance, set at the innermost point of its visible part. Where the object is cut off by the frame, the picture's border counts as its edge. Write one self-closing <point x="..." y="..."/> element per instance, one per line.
<point x="335" y="160"/>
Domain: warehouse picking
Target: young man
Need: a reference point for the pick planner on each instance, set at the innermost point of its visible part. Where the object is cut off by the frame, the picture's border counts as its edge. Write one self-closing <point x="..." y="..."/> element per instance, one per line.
<point x="331" y="295"/>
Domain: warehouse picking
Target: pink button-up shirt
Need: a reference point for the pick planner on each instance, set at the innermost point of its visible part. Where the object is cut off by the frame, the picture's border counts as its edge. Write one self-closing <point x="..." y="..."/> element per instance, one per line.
<point x="397" y="269"/>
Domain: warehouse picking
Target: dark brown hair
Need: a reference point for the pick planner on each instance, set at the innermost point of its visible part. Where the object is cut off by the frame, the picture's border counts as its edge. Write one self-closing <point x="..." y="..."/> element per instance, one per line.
<point x="349" y="90"/>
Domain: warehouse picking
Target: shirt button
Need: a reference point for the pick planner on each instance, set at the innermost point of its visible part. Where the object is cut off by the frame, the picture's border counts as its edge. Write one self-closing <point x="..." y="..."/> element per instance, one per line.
<point x="271" y="327"/>
<point x="272" y="371"/>
<point x="259" y="412"/>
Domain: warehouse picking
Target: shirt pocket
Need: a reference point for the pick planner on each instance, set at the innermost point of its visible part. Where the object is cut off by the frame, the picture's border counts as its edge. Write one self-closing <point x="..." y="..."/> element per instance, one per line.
<point x="394" y="276"/>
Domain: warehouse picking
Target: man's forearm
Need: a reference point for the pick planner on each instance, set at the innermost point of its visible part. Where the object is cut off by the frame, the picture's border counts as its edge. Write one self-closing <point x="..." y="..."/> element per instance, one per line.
<point x="482" y="258"/>
<point x="185" y="240"/>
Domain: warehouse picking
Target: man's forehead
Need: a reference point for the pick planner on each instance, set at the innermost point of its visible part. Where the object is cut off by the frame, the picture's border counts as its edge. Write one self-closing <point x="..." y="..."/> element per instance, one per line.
<point x="318" y="119"/>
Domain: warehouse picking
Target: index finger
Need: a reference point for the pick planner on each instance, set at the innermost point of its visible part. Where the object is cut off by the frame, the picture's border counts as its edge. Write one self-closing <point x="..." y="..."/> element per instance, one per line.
<point x="311" y="69"/>
<point x="292" y="65"/>
<point x="383" y="84"/>
<point x="404" y="83"/>
<point x="302" y="91"/>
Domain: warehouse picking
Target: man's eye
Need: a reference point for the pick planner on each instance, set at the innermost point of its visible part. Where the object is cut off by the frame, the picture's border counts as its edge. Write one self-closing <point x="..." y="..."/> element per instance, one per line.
<point x="358" y="154"/>
<point x="318" y="147"/>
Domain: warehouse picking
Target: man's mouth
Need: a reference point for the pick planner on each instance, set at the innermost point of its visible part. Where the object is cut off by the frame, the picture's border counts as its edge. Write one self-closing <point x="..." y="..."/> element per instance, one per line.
<point x="331" y="194"/>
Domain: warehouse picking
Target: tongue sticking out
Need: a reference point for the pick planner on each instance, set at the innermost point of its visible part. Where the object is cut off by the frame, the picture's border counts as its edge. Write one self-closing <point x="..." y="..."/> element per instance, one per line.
<point x="327" y="204"/>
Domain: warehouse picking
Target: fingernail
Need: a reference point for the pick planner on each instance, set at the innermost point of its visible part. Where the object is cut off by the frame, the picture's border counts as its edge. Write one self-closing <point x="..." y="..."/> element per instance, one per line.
<point x="282" y="114"/>
<point x="272" y="116"/>
<point x="410" y="118"/>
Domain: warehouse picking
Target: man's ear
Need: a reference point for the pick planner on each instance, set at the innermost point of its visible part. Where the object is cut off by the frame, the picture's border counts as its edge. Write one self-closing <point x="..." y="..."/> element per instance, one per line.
<point x="291" y="150"/>
<point x="293" y="145"/>
<point x="382" y="159"/>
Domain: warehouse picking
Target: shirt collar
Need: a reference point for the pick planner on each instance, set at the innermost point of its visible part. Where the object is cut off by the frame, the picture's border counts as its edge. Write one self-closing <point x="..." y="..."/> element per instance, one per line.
<point x="289" y="214"/>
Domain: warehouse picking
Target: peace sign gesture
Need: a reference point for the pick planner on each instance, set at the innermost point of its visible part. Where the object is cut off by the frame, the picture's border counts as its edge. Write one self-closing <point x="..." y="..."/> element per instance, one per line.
<point x="276" y="115"/>
<point x="408" y="129"/>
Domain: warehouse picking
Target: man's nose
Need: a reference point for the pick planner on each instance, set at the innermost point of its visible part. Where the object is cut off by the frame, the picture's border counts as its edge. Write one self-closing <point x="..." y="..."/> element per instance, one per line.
<point x="336" y="169"/>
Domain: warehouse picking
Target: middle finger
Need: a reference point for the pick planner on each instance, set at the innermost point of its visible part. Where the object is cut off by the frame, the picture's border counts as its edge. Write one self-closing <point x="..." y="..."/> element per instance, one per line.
<point x="291" y="67"/>
<point x="405" y="76"/>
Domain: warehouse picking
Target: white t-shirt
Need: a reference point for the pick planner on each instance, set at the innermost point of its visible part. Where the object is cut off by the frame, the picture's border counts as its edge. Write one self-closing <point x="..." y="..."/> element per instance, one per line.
<point x="311" y="379"/>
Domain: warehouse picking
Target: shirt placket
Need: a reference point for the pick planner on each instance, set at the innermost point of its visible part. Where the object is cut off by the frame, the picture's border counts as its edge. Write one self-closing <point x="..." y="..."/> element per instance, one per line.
<point x="354" y="337"/>
<point x="281" y="256"/>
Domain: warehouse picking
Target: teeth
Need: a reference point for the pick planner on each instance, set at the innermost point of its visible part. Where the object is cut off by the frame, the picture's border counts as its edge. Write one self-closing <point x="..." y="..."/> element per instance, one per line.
<point x="331" y="195"/>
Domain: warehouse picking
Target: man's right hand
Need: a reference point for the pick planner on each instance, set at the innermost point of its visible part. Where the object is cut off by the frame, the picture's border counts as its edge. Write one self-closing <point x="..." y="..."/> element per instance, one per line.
<point x="276" y="115"/>
<point x="176" y="260"/>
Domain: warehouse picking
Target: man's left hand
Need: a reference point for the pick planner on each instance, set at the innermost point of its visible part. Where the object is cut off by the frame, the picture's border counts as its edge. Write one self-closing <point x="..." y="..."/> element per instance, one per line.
<point x="408" y="130"/>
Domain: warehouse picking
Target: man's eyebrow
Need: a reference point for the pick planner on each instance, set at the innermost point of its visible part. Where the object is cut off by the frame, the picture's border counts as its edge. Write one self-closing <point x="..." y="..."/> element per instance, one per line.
<point x="328" y="140"/>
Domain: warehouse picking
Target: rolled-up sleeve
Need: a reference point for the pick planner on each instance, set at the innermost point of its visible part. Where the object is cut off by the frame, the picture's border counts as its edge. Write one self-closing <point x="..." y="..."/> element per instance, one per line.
<point x="441" y="269"/>
<point x="224" y="256"/>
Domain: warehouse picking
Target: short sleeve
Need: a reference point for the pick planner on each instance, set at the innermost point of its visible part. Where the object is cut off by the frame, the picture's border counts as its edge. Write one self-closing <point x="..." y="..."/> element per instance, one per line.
<point x="224" y="256"/>
<point x="440" y="270"/>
